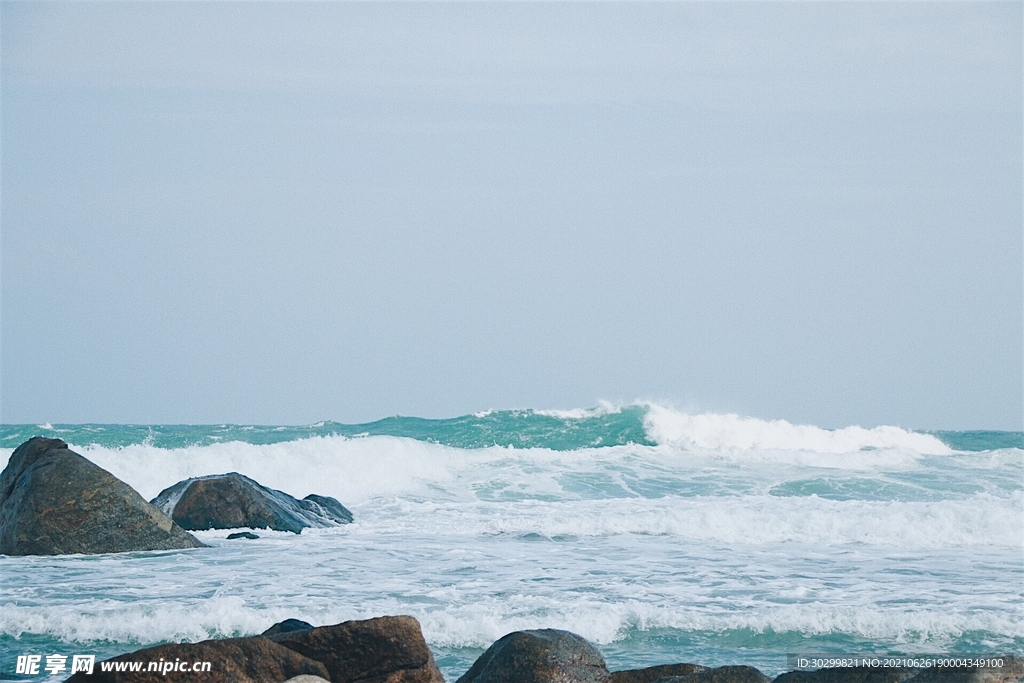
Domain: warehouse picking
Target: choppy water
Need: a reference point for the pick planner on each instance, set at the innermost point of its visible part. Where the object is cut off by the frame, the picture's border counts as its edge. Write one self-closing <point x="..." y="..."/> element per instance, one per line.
<point x="660" y="536"/>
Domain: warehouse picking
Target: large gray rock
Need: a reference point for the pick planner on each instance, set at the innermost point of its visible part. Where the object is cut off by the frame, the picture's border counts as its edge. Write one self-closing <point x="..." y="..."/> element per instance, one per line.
<point x="543" y="656"/>
<point x="230" y="501"/>
<point x="55" y="502"/>
<point x="381" y="650"/>
<point x="233" y="660"/>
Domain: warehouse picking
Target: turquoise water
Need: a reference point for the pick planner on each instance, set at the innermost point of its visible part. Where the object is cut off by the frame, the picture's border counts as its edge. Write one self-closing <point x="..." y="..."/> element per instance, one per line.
<point x="661" y="536"/>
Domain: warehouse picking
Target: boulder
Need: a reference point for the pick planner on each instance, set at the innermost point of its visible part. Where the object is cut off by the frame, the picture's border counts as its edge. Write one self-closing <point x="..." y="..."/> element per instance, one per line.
<point x="230" y="501"/>
<point x="306" y="678"/>
<point x="328" y="507"/>
<point x="243" y="534"/>
<point x="1012" y="671"/>
<point x="286" y="626"/>
<point x="653" y="673"/>
<point x="542" y="656"/>
<point x="857" y="674"/>
<point x="381" y="650"/>
<point x="234" y="660"/>
<point x="721" y="674"/>
<point x="53" y="501"/>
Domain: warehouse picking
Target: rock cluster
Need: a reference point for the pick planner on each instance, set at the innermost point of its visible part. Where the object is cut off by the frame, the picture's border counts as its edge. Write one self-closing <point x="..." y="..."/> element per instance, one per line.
<point x="392" y="650"/>
<point x="381" y="650"/>
<point x="55" y="502"/>
<point x="230" y="501"/>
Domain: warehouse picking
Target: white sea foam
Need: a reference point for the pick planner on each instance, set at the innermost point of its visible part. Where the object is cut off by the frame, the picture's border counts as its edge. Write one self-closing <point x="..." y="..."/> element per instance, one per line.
<point x="981" y="520"/>
<point x="732" y="432"/>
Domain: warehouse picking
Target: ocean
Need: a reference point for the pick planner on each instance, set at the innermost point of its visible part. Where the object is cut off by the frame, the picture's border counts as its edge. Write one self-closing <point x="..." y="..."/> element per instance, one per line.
<point x="661" y="536"/>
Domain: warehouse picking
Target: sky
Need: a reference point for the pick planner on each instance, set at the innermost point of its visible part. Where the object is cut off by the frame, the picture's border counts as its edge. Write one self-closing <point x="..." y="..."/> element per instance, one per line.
<point x="286" y="212"/>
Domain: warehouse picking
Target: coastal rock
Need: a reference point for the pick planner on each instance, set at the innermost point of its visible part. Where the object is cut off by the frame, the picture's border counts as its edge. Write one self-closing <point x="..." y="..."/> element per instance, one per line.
<point x="721" y="674"/>
<point x="243" y="534"/>
<point x="286" y="626"/>
<point x="858" y="674"/>
<point x="542" y="656"/>
<point x="653" y="673"/>
<point x="53" y="501"/>
<point x="328" y="507"/>
<point x="230" y="501"/>
<point x="381" y="650"/>
<point x="234" y="660"/>
<point x="1012" y="671"/>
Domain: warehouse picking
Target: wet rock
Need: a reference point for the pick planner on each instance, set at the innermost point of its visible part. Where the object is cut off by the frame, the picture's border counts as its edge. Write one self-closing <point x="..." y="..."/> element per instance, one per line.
<point x="721" y="674"/>
<point x="542" y="656"/>
<point x="1012" y="671"/>
<point x="242" y="534"/>
<point x="287" y="626"/>
<point x="53" y="501"/>
<point x="328" y="507"/>
<point x="653" y="673"/>
<point x="234" y="660"/>
<point x="381" y="650"/>
<point x="857" y="674"/>
<point x="230" y="501"/>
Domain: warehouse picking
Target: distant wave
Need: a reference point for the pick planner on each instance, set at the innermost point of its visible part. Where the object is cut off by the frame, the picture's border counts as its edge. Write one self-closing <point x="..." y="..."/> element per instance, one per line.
<point x="710" y="430"/>
<point x="606" y="425"/>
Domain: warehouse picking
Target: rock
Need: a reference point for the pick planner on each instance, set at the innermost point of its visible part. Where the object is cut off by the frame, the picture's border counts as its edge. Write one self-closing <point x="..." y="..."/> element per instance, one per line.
<point x="858" y="674"/>
<point x="328" y="507"/>
<point x="55" y="502"/>
<point x="721" y="674"/>
<point x="234" y="660"/>
<point x="653" y="673"/>
<point x="381" y="650"/>
<point x="286" y="626"/>
<point x="1012" y="671"/>
<point x="230" y="501"/>
<point x="306" y="678"/>
<point x="242" y="534"/>
<point x="543" y="656"/>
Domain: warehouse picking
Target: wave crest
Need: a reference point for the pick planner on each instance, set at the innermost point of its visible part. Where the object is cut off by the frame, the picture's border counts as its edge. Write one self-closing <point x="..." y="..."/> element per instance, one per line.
<point x="665" y="425"/>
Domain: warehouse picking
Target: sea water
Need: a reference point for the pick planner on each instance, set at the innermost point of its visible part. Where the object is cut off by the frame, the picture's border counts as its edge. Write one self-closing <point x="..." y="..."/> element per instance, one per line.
<point x="660" y="536"/>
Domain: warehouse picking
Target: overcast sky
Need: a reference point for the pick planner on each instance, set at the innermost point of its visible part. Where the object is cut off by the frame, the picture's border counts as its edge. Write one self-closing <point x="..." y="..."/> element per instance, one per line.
<point x="289" y="212"/>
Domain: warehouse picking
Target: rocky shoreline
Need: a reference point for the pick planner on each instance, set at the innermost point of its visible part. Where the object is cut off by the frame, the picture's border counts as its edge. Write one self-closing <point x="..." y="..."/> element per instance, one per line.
<point x="392" y="649"/>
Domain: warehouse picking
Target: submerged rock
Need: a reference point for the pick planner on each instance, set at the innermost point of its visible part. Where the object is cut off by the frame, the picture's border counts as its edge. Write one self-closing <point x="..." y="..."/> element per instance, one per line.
<point x="233" y="660"/>
<point x="243" y="534"/>
<point x="381" y="650"/>
<point x="229" y="501"/>
<point x="542" y="656"/>
<point x="53" y="501"/>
